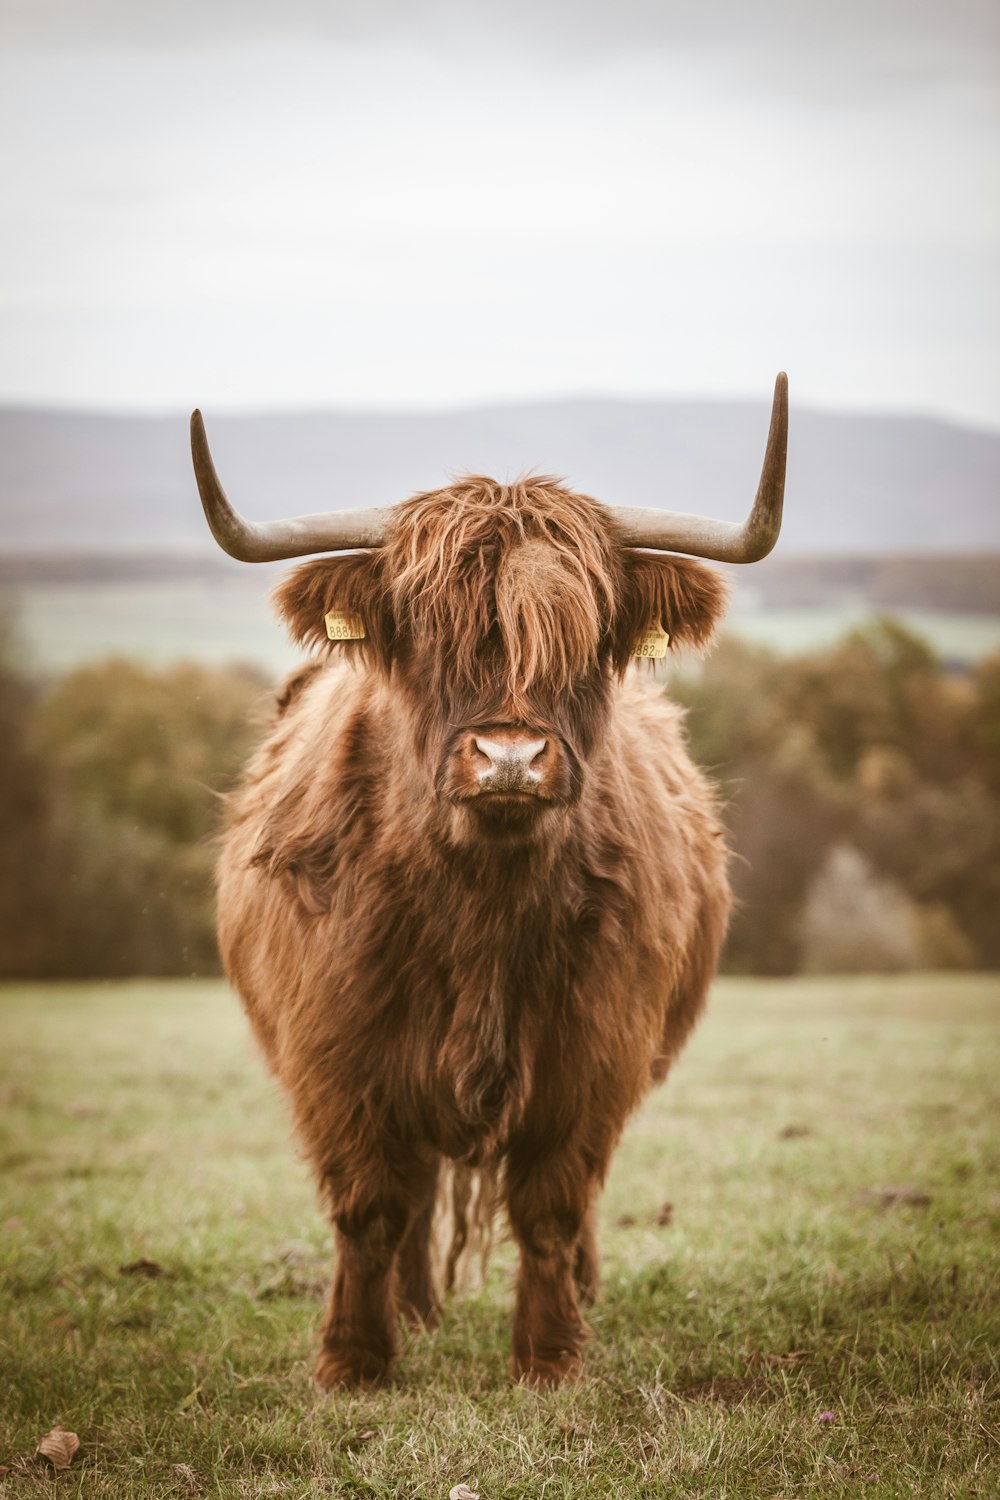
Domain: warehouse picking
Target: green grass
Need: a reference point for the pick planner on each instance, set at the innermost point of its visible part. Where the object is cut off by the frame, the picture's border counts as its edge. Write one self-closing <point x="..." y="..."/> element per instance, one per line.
<point x="137" y="1122"/>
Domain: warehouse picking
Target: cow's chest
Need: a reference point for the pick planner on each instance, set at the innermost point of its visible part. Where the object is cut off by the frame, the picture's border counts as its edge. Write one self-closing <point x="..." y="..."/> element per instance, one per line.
<point x="482" y="1062"/>
<point x="479" y="1005"/>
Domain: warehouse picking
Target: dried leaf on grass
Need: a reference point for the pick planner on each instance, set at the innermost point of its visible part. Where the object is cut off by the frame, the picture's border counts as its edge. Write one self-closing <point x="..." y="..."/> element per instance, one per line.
<point x="354" y="1439"/>
<point x="661" y="1217"/>
<point x="142" y="1267"/>
<point x="895" y="1197"/>
<point x="462" y="1492"/>
<point x="58" y="1446"/>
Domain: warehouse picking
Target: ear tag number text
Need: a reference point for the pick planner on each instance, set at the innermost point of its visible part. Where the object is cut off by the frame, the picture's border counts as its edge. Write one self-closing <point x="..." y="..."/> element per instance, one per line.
<point x="652" y="644"/>
<point x="343" y="626"/>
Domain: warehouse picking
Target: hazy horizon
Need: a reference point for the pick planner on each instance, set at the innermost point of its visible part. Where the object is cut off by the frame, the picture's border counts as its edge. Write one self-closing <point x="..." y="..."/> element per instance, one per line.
<point x="475" y="405"/>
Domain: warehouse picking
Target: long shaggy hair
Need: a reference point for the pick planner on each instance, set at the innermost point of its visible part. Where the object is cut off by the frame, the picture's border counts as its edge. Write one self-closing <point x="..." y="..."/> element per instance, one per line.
<point x="531" y="567"/>
<point x="441" y="978"/>
<point x="510" y="562"/>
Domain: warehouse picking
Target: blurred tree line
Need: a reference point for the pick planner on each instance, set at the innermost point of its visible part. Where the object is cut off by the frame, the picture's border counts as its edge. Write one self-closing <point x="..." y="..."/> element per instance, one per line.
<point x="109" y="785"/>
<point x="861" y="786"/>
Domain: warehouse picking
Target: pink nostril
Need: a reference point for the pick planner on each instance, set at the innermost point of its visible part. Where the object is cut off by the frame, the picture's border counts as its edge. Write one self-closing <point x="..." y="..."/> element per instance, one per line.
<point x="511" y="764"/>
<point x="486" y="750"/>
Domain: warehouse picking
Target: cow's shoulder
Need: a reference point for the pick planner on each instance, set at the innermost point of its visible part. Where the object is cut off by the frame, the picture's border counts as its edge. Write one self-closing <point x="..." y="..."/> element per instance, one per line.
<point x="293" y="686"/>
<point x="644" y="713"/>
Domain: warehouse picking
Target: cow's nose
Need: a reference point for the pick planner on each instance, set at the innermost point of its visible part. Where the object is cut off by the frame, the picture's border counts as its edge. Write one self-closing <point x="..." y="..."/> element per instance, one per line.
<point x="513" y="763"/>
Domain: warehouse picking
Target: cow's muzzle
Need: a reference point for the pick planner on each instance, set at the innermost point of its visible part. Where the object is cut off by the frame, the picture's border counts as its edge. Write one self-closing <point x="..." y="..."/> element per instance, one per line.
<point x="509" y="763"/>
<point x="507" y="766"/>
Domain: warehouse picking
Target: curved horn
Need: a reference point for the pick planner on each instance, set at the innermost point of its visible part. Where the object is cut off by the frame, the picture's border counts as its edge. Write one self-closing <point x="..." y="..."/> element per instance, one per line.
<point x="272" y="541"/>
<point x="722" y="541"/>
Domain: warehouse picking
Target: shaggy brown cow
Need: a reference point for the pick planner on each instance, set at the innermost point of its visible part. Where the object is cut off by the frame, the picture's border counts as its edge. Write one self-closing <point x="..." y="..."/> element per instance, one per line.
<point x="472" y="890"/>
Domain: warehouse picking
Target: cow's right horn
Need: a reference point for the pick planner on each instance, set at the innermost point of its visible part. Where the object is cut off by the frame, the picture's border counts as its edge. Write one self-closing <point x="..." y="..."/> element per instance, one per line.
<point x="273" y="541"/>
<point x="723" y="541"/>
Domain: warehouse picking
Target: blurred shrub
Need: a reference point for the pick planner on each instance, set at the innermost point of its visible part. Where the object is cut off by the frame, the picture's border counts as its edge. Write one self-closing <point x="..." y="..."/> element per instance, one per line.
<point x="869" y="747"/>
<point x="33" y="854"/>
<point x="109" y="785"/>
<point x="856" y="921"/>
<point x="147" y="748"/>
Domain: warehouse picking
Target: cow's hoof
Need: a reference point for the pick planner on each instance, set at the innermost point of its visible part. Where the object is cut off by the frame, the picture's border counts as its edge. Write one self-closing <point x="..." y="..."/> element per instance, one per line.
<point x="337" y="1368"/>
<point x="543" y="1374"/>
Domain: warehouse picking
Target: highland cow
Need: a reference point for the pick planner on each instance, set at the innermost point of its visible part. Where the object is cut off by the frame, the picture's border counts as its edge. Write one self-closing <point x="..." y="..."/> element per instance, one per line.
<point x="472" y="890"/>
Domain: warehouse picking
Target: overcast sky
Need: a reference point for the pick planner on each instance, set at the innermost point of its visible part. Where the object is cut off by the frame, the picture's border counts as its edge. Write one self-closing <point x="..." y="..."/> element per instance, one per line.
<point x="377" y="203"/>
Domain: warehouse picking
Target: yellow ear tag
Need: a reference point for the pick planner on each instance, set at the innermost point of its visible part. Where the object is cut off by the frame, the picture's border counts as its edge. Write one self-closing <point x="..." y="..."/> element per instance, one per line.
<point x="652" y="644"/>
<point x="342" y="626"/>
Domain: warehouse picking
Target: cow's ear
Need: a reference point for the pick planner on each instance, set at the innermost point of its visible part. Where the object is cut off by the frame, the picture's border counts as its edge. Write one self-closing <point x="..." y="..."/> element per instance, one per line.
<point x="676" y="594"/>
<point x="340" y="604"/>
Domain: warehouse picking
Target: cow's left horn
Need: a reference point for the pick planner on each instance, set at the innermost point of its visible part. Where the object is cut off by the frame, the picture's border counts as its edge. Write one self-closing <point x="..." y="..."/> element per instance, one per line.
<point x="723" y="541"/>
<point x="272" y="541"/>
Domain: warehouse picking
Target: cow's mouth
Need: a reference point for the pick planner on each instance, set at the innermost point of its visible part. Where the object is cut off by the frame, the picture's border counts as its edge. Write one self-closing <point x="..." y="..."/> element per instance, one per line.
<point x="498" y="797"/>
<point x="500" y="814"/>
<point x="492" y="804"/>
<point x="507" y="796"/>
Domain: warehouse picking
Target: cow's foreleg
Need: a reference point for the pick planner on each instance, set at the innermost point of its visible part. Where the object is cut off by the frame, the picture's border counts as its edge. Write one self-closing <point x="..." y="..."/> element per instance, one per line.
<point x="587" y="1260"/>
<point x="371" y="1221"/>
<point x="548" y="1202"/>
<point x="414" y="1279"/>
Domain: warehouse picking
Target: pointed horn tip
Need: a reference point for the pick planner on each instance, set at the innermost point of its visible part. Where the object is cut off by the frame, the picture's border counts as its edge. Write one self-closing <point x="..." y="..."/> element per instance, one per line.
<point x="781" y="389"/>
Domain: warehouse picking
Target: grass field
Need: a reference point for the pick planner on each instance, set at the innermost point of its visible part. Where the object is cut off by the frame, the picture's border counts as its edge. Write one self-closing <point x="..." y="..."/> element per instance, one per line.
<point x="819" y="1317"/>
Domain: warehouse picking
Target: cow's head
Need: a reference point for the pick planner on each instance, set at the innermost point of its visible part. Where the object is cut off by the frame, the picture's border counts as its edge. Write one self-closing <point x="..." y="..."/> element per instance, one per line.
<point x="499" y="615"/>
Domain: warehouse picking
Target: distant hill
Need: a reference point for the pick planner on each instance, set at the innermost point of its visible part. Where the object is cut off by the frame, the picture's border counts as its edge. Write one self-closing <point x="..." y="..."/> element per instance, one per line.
<point x="84" y="483"/>
<point x="951" y="583"/>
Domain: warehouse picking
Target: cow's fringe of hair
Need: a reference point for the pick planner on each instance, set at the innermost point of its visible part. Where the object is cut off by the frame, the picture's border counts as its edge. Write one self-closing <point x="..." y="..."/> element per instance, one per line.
<point x="528" y="557"/>
<point x="512" y="586"/>
<point x="465" y="1226"/>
